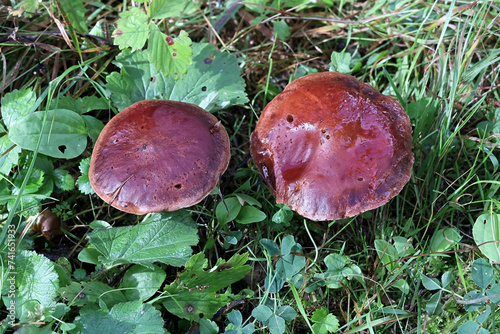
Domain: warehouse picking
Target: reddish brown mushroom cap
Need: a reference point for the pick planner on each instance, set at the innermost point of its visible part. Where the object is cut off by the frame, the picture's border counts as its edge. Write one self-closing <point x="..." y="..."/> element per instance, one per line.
<point x="331" y="147"/>
<point x="158" y="156"/>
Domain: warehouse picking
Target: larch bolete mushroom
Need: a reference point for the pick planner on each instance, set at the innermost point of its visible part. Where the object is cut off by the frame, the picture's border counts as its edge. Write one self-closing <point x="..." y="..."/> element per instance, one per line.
<point x="158" y="155"/>
<point x="331" y="147"/>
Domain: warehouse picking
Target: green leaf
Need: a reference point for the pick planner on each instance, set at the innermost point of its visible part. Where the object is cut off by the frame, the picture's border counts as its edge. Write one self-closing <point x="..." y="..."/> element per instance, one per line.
<point x="170" y="56"/>
<point x="75" y="10"/>
<point x="16" y="105"/>
<point x="162" y="237"/>
<point x="250" y="214"/>
<point x="494" y="290"/>
<point x="35" y="280"/>
<point x="262" y="313"/>
<point x="80" y="105"/>
<point x="222" y="275"/>
<point x="474" y="306"/>
<point x="283" y="215"/>
<point x="63" y="180"/>
<point x="94" y="126"/>
<point x="482" y="273"/>
<point x="208" y="326"/>
<point x="433" y="306"/>
<point x="276" y="324"/>
<point x="340" y="62"/>
<point x="212" y="73"/>
<point x="486" y="232"/>
<point x="227" y="210"/>
<point x="281" y="29"/>
<point x="64" y="134"/>
<point x="9" y="155"/>
<point x="324" y="322"/>
<point x="387" y="253"/>
<point x="430" y="283"/>
<point x="484" y="315"/>
<point x="162" y="9"/>
<point x="123" y="318"/>
<point x="444" y="239"/>
<point x="83" y="181"/>
<point x="140" y="282"/>
<point x="81" y="294"/>
<point x="287" y="312"/>
<point x="235" y="317"/>
<point x="132" y="29"/>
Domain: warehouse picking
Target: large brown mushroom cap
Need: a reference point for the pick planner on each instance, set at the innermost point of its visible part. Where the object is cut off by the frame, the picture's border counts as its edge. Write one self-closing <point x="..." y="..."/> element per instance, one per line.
<point x="158" y="156"/>
<point x="331" y="147"/>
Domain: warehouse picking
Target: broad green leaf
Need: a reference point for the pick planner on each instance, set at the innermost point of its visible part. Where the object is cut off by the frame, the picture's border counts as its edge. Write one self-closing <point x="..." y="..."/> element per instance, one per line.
<point x="276" y="324"/>
<point x="235" y="317"/>
<point x="227" y="210"/>
<point x="387" y="253"/>
<point x="64" y="134"/>
<point x="473" y="295"/>
<point x="403" y="246"/>
<point x="123" y="318"/>
<point x="63" y="180"/>
<point x="75" y="10"/>
<point x="162" y="9"/>
<point x="324" y="322"/>
<point x="222" y="275"/>
<point x="9" y="155"/>
<point x="482" y="273"/>
<point x="132" y="29"/>
<point x="430" y="283"/>
<point x="468" y="328"/>
<point x="80" y="105"/>
<point x="249" y="214"/>
<point x="446" y="279"/>
<point x="103" y="294"/>
<point x="189" y="304"/>
<point x="170" y="56"/>
<point x="16" y="105"/>
<point x="140" y="282"/>
<point x="484" y="315"/>
<point x="35" y="280"/>
<point x="208" y="326"/>
<point x="281" y="29"/>
<point x="212" y="73"/>
<point x="262" y="313"/>
<point x="94" y="126"/>
<point x="283" y="216"/>
<point x="433" y="306"/>
<point x="444" y="239"/>
<point x="162" y="237"/>
<point x="494" y="290"/>
<point x="287" y="313"/>
<point x="270" y="246"/>
<point x="486" y="232"/>
<point x="83" y="180"/>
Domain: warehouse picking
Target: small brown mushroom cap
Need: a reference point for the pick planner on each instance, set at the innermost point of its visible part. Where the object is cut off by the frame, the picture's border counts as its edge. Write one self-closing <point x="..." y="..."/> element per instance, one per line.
<point x="331" y="147"/>
<point x="158" y="155"/>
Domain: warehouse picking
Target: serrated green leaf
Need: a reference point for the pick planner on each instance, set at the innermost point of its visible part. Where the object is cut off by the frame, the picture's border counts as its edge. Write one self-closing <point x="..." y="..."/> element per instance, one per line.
<point x="340" y="62"/>
<point x="486" y="232"/>
<point x="83" y="181"/>
<point x="162" y="237"/>
<point x="16" y="105"/>
<point x="140" y="282"/>
<point x="64" y="134"/>
<point x="222" y="275"/>
<point x="170" y="56"/>
<point x="132" y="29"/>
<point x="324" y="322"/>
<point x="162" y="9"/>
<point x="63" y="180"/>
<point x="212" y="73"/>
<point x="9" y="155"/>
<point x="249" y="214"/>
<point x="123" y="318"/>
<point x="281" y="29"/>
<point x="35" y="279"/>
<point x="75" y="10"/>
<point x="482" y="273"/>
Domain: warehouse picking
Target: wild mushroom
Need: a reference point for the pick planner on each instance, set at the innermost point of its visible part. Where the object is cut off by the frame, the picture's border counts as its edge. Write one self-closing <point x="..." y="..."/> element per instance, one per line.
<point x="157" y="156"/>
<point x="331" y="147"/>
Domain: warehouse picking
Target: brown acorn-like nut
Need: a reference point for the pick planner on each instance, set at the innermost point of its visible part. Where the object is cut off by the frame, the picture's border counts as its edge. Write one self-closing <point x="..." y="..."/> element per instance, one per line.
<point x="331" y="147"/>
<point x="48" y="224"/>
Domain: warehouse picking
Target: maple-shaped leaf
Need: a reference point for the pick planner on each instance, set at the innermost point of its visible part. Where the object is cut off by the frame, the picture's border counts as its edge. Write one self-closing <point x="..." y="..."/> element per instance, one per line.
<point x="132" y="29"/>
<point x="171" y="56"/>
